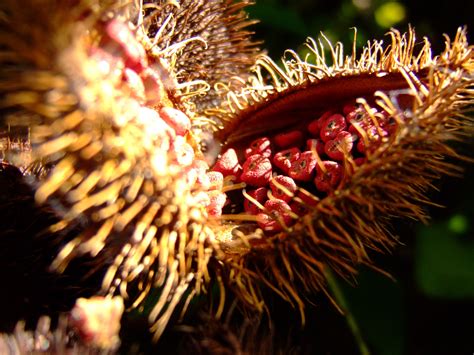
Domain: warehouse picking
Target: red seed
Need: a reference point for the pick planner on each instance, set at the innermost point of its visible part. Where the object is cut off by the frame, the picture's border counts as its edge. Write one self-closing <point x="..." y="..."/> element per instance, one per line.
<point x="385" y="119"/>
<point x="201" y="165"/>
<point x="348" y="108"/>
<point x="340" y="146"/>
<point x="315" y="145"/>
<point x="135" y="84"/>
<point x="216" y="180"/>
<point x="154" y="89"/>
<point x="217" y="201"/>
<point x="228" y="163"/>
<point x="373" y="136"/>
<point x="388" y="123"/>
<point x="289" y="139"/>
<point x="259" y="194"/>
<point x="286" y="158"/>
<point x="332" y="126"/>
<point x="259" y="146"/>
<point x="357" y="115"/>
<point x="298" y="208"/>
<point x="119" y="37"/>
<point x="184" y="153"/>
<point x="308" y="200"/>
<point x="315" y="126"/>
<point x="157" y="129"/>
<point x="328" y="180"/>
<point x="202" y="199"/>
<point x="191" y="175"/>
<point x="288" y="183"/>
<point x="303" y="168"/>
<point x="361" y="146"/>
<point x="360" y="161"/>
<point x="176" y="119"/>
<point x="378" y="133"/>
<point x="360" y="125"/>
<point x="202" y="180"/>
<point x="257" y="170"/>
<point x="279" y="215"/>
<point x="198" y="173"/>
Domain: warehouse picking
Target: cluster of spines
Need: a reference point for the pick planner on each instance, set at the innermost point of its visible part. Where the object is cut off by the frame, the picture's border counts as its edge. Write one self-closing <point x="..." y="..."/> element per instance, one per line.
<point x="204" y="42"/>
<point x="245" y="97"/>
<point x="116" y="165"/>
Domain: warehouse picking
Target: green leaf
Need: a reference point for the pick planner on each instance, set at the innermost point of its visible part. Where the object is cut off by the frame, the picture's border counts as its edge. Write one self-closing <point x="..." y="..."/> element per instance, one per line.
<point x="377" y="304"/>
<point x="390" y="14"/>
<point x="280" y="18"/>
<point x="444" y="260"/>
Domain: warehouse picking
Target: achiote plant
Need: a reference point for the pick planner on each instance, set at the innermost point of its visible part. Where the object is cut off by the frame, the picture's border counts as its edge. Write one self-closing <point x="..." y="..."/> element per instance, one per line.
<point x="129" y="104"/>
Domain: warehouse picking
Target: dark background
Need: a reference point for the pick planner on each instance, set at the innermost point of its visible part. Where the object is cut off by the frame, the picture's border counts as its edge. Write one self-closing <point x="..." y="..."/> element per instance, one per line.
<point x="430" y="308"/>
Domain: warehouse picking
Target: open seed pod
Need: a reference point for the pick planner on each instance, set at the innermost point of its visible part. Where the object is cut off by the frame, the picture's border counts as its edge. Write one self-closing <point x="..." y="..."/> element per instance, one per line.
<point x="316" y="156"/>
<point x="347" y="144"/>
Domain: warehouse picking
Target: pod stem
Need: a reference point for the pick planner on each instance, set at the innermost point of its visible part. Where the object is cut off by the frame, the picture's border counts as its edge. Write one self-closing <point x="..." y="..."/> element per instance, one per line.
<point x="340" y="299"/>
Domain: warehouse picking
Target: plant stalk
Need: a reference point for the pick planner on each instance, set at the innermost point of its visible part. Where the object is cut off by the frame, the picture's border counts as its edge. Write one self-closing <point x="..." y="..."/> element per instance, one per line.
<point x="343" y="304"/>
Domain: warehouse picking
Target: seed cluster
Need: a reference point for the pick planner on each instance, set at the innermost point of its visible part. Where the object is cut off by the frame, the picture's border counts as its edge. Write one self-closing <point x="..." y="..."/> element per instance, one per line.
<point x="286" y="174"/>
<point x="133" y="73"/>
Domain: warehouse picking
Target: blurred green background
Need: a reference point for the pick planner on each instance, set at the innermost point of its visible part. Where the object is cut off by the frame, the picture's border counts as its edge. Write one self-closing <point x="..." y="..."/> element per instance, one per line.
<point x="430" y="307"/>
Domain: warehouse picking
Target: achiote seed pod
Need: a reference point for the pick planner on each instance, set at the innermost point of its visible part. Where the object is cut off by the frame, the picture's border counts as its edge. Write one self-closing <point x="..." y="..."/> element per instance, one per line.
<point x="119" y="98"/>
<point x="386" y="118"/>
<point x="91" y="327"/>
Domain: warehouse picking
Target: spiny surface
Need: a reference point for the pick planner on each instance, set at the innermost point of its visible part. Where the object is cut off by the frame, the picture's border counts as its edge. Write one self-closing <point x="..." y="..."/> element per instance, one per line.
<point x="206" y="42"/>
<point x="367" y="163"/>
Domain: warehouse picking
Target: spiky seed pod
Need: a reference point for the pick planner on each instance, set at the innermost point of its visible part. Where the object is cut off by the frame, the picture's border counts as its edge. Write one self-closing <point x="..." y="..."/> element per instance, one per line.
<point x="204" y="42"/>
<point x="118" y="169"/>
<point x="97" y="321"/>
<point x="82" y="331"/>
<point x="135" y="185"/>
<point x="411" y="106"/>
